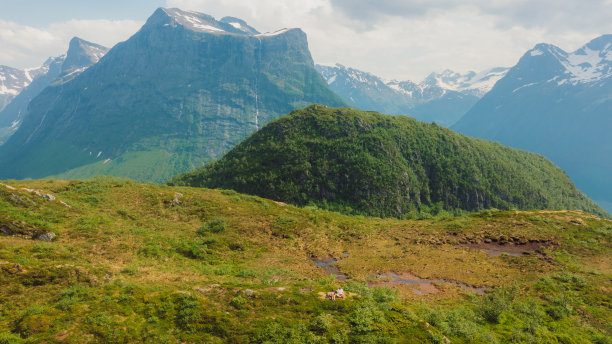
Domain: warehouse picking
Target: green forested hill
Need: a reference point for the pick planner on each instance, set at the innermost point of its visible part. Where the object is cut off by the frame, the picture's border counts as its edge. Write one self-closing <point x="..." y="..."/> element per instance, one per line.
<point x="388" y="166"/>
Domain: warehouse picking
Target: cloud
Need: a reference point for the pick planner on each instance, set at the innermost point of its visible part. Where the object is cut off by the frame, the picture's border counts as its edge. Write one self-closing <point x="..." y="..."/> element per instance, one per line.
<point x="549" y="15"/>
<point x="25" y="46"/>
<point x="408" y="39"/>
<point x="403" y="39"/>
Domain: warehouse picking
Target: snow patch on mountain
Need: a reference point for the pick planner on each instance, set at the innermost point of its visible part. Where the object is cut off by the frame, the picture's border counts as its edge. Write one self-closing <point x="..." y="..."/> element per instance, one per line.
<point x="13" y="80"/>
<point x="477" y="84"/>
<point x="236" y="25"/>
<point x="201" y="22"/>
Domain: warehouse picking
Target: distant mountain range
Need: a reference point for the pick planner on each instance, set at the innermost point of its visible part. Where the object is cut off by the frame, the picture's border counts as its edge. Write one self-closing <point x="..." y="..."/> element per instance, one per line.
<point x="13" y="81"/>
<point x="558" y="104"/>
<point x="441" y="97"/>
<point x="183" y="90"/>
<point x="81" y="55"/>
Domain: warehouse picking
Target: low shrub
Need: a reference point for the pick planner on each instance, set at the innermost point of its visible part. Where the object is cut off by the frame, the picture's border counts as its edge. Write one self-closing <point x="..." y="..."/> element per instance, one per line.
<point x="216" y="225"/>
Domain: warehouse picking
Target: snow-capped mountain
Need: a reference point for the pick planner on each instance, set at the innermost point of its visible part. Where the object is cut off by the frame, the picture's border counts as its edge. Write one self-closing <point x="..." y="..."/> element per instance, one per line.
<point x="80" y="56"/>
<point x="477" y="84"/>
<point x="13" y="81"/>
<point x="591" y="63"/>
<point x="364" y="90"/>
<point x="442" y="97"/>
<point x="558" y="104"/>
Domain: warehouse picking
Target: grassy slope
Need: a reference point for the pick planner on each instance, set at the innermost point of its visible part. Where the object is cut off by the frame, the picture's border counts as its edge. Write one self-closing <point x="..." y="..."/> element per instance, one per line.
<point x="390" y="166"/>
<point x="156" y="166"/>
<point x="127" y="266"/>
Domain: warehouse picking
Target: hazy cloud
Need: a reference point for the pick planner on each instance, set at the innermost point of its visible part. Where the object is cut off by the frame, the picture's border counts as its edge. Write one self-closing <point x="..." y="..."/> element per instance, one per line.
<point x="550" y="15"/>
<point x="25" y="46"/>
<point x="404" y="39"/>
<point x="411" y="38"/>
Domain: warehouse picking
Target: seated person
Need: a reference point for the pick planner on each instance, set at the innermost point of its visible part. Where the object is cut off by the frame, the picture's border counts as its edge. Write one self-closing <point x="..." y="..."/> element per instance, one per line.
<point x="339" y="293"/>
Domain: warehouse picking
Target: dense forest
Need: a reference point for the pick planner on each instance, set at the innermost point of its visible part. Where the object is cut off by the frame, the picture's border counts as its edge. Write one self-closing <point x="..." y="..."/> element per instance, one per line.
<point x="366" y="163"/>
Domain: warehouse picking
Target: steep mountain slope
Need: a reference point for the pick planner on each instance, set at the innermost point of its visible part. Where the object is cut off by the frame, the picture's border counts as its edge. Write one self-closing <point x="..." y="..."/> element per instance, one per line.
<point x="184" y="89"/>
<point x="143" y="263"/>
<point x="557" y="104"/>
<point x="80" y="56"/>
<point x="367" y="163"/>
<point x="442" y="98"/>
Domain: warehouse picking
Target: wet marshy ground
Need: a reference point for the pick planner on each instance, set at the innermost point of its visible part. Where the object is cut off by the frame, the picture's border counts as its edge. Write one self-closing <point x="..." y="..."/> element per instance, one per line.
<point x="421" y="286"/>
<point x="327" y="264"/>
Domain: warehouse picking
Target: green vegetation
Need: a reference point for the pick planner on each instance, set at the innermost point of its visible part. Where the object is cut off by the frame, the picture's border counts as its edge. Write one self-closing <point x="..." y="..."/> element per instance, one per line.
<point x="130" y="264"/>
<point x="365" y="163"/>
<point x="215" y="225"/>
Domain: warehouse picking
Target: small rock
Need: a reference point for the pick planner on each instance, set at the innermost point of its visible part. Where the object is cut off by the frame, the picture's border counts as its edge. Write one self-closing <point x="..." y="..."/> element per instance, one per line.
<point x="65" y="204"/>
<point x="177" y="199"/>
<point x="18" y="267"/>
<point x="48" y="197"/>
<point x="249" y="292"/>
<point x="46" y="237"/>
<point x="200" y="290"/>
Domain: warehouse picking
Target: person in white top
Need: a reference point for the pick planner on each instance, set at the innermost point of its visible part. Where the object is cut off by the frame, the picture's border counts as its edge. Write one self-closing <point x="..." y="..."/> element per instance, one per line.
<point x="339" y="293"/>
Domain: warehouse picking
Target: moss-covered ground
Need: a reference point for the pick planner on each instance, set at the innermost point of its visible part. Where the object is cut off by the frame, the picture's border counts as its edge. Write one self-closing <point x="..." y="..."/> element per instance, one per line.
<point x="156" y="264"/>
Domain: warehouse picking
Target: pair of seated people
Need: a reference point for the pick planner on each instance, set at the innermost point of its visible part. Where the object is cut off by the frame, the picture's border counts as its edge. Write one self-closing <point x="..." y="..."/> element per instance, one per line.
<point x="337" y="294"/>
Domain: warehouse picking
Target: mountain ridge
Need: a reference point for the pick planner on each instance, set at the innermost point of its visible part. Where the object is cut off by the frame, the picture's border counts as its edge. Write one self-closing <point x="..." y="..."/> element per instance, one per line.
<point x="441" y="97"/>
<point x="557" y="104"/>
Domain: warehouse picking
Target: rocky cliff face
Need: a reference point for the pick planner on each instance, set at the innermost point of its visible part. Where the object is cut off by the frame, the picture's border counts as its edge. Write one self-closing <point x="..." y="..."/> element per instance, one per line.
<point x="184" y="89"/>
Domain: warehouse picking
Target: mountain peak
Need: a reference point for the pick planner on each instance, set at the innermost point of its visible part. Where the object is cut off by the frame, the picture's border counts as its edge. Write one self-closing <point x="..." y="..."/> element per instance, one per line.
<point x="81" y="54"/>
<point x="602" y="43"/>
<point x="591" y="63"/>
<point x="541" y="49"/>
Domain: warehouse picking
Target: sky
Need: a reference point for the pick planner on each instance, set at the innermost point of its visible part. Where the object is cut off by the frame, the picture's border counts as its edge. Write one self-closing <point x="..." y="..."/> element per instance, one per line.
<point x="394" y="39"/>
